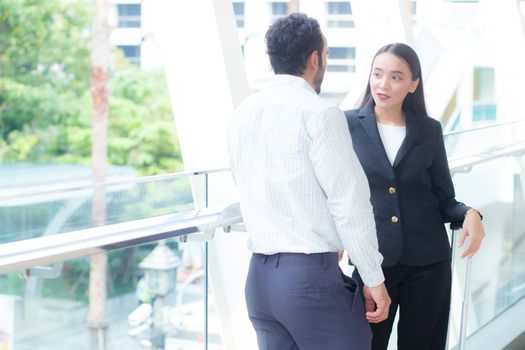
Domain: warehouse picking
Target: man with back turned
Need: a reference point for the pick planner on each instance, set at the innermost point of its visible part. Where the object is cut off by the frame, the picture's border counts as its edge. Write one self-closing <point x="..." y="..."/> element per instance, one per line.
<point x="304" y="197"/>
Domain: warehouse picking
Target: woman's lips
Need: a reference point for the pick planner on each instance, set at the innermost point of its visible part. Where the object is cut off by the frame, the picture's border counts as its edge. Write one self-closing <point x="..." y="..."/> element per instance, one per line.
<point x="382" y="97"/>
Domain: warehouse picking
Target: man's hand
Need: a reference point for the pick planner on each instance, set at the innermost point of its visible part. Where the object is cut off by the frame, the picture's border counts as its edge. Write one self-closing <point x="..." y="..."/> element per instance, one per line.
<point x="472" y="228"/>
<point x="377" y="302"/>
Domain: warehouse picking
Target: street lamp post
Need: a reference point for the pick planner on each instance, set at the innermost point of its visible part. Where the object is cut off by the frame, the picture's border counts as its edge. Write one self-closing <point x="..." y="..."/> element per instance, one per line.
<point x="160" y="271"/>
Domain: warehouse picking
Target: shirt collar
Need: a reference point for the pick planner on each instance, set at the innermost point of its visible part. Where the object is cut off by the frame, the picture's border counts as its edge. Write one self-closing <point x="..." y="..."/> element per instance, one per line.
<point x="280" y="79"/>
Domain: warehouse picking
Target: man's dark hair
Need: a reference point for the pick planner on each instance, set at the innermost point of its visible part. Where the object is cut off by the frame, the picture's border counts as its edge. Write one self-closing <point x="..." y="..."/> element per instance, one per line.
<point x="290" y="40"/>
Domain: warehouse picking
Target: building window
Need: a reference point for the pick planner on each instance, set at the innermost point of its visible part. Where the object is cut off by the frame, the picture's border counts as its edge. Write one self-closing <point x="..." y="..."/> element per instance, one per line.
<point x="342" y="52"/>
<point x="238" y="10"/>
<point x="131" y="52"/>
<point x="278" y="9"/>
<point x="338" y="8"/>
<point x="484" y="104"/>
<point x="128" y="15"/>
<point x="341" y="59"/>
<point x="413" y="11"/>
<point x="341" y="68"/>
<point x="339" y="14"/>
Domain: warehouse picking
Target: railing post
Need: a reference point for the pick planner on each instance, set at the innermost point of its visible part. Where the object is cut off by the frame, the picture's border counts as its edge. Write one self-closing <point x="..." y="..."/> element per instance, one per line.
<point x="452" y="262"/>
<point x="464" y="310"/>
<point x="466" y="292"/>
<point x="206" y="291"/>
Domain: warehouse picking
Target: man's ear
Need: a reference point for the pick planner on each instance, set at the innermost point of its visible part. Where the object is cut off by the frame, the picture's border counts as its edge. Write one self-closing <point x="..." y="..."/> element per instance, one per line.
<point x="313" y="60"/>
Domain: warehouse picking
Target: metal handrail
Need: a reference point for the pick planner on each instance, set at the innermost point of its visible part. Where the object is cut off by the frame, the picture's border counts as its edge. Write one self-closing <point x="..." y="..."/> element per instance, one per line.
<point x="8" y="193"/>
<point x="488" y="126"/>
<point x="465" y="164"/>
<point x="49" y="249"/>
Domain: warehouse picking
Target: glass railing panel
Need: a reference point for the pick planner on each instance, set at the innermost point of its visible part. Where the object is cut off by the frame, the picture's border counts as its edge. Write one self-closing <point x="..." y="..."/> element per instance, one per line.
<point x="147" y="303"/>
<point x="484" y="138"/>
<point x="164" y="302"/>
<point x="25" y="215"/>
<point x="497" y="280"/>
<point x="196" y="299"/>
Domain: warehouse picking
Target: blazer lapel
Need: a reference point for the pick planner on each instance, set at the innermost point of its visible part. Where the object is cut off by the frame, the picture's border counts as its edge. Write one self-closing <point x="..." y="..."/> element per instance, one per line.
<point x="368" y="121"/>
<point x="413" y="124"/>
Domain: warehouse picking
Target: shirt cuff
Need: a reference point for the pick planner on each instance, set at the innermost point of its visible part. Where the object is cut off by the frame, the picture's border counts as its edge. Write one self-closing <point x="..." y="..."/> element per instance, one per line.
<point x="477" y="211"/>
<point x="373" y="278"/>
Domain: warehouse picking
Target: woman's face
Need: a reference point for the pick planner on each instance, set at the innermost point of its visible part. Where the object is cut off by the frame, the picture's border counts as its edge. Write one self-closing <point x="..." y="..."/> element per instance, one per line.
<point x="391" y="81"/>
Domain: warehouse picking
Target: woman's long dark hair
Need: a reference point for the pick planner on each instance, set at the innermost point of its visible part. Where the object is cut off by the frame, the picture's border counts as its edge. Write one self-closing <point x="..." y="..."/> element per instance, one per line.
<point x="414" y="102"/>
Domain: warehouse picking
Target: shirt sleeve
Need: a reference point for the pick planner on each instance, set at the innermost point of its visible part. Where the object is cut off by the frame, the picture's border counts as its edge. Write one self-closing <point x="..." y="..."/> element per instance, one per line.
<point x="344" y="182"/>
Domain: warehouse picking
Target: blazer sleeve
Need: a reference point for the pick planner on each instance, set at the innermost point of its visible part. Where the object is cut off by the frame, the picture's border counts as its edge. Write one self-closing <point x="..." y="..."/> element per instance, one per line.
<point x="442" y="186"/>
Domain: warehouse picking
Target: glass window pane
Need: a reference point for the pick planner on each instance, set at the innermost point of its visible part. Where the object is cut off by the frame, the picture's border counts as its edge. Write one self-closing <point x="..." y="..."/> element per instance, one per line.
<point x="279" y="8"/>
<point x="342" y="53"/>
<point x="338" y="8"/>
<point x="238" y="9"/>
<point x="340" y="24"/>
<point x="131" y="52"/>
<point x="128" y="9"/>
<point x="341" y="68"/>
<point x="129" y="15"/>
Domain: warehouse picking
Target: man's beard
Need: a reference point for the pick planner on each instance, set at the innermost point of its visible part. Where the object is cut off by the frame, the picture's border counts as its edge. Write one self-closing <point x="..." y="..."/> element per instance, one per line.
<point x="318" y="78"/>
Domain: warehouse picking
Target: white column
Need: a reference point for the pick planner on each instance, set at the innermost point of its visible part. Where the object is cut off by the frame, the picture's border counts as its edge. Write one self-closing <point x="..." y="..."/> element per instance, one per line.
<point x="205" y="76"/>
<point x="257" y="20"/>
<point x="207" y="80"/>
<point x="465" y="98"/>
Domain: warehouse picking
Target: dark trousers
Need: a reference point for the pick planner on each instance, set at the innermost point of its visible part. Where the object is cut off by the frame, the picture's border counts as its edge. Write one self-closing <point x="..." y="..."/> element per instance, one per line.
<point x="422" y="294"/>
<point x="303" y="301"/>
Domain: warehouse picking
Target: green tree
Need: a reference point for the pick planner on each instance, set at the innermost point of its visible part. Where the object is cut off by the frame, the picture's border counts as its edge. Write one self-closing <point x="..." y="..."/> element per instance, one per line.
<point x="44" y="70"/>
<point x="45" y="104"/>
<point x="141" y="126"/>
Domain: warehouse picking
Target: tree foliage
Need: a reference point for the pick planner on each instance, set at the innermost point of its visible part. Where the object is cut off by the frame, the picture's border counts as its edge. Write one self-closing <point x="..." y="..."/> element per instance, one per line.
<point x="45" y="105"/>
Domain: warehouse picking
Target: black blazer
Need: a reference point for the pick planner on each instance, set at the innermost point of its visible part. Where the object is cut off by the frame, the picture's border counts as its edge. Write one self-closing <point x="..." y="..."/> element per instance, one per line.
<point x="413" y="198"/>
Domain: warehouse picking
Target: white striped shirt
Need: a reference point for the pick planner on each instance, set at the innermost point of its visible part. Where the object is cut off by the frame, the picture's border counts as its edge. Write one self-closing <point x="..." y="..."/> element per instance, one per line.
<point x="301" y="186"/>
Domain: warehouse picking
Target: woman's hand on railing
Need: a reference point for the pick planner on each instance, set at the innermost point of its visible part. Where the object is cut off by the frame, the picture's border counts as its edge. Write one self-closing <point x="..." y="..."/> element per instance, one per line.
<point x="472" y="228"/>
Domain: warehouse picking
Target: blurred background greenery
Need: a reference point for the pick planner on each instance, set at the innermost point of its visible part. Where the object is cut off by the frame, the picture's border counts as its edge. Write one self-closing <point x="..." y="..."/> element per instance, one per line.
<point x="45" y="102"/>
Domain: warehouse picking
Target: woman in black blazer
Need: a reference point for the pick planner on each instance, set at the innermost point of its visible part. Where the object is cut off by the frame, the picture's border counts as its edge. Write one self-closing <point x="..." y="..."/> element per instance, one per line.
<point x="402" y="152"/>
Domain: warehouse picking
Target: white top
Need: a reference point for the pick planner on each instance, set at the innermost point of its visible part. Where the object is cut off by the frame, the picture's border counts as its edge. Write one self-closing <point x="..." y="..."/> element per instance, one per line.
<point x="392" y="137"/>
<point x="301" y="186"/>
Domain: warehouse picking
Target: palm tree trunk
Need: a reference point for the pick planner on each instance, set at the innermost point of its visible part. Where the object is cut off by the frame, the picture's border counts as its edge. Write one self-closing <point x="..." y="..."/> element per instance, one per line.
<point x="100" y="57"/>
